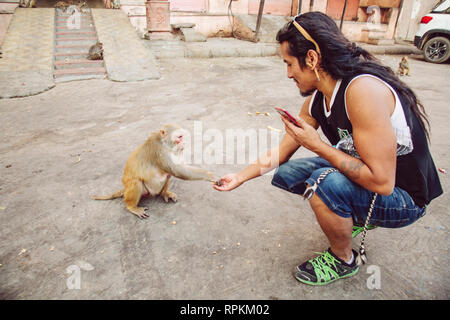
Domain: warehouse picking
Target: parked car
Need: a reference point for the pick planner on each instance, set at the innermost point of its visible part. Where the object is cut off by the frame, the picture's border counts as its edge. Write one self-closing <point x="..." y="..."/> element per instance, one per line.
<point x="433" y="36"/>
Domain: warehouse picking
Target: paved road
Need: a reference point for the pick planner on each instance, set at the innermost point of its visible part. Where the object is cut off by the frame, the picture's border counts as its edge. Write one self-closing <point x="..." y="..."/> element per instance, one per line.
<point x="60" y="147"/>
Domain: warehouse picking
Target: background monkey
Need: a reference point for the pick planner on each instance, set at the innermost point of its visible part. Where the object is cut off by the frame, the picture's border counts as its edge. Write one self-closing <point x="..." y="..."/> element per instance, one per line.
<point x="61" y="5"/>
<point x="115" y="4"/>
<point x="96" y="51"/>
<point x="27" y="3"/>
<point x="403" y="67"/>
<point x="148" y="169"/>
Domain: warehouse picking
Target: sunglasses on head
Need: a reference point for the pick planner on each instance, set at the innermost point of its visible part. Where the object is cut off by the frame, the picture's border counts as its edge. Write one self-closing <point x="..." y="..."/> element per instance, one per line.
<point x="305" y="33"/>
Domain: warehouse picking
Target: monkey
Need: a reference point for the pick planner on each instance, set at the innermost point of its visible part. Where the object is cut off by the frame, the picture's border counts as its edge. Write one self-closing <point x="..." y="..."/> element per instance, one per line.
<point x="96" y="51"/>
<point x="149" y="168"/>
<point x="403" y="67"/>
<point x="27" y="3"/>
<point x="115" y="4"/>
<point x="23" y="3"/>
<point x="61" y="5"/>
<point x="80" y="5"/>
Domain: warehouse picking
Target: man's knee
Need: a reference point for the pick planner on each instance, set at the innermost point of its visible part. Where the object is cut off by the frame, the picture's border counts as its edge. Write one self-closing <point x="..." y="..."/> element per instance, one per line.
<point x="335" y="191"/>
<point x="334" y="183"/>
<point x="278" y="179"/>
<point x="292" y="174"/>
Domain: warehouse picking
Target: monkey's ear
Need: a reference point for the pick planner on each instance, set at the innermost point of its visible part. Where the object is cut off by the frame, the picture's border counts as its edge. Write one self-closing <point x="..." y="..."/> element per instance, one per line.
<point x="162" y="133"/>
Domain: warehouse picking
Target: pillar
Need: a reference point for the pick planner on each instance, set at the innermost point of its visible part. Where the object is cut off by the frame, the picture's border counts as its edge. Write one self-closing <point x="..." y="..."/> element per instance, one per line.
<point x="158" y="19"/>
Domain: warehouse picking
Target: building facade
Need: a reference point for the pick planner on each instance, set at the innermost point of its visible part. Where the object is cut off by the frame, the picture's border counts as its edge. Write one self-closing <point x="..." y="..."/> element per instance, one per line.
<point x="371" y="21"/>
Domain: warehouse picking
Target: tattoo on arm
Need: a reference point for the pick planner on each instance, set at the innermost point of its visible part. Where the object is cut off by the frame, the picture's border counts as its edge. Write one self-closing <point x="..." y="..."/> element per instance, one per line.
<point x="351" y="169"/>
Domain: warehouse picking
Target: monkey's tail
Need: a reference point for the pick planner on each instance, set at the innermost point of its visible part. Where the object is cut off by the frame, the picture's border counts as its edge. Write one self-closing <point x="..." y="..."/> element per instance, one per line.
<point x="115" y="195"/>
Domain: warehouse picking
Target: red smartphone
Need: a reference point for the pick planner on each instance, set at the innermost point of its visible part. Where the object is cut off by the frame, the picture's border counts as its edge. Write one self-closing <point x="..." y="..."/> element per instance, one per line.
<point x="287" y="115"/>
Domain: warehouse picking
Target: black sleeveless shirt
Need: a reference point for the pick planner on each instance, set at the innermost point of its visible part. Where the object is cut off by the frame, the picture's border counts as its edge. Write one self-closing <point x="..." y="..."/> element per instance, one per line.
<point x="415" y="171"/>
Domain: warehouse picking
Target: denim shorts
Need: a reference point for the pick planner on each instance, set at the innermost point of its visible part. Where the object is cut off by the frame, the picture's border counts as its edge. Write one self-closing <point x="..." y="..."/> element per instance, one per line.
<point x="346" y="198"/>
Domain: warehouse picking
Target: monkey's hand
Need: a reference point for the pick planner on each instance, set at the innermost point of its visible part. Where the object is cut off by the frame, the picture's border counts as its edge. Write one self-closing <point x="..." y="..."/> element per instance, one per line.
<point x="211" y="176"/>
<point x="228" y="182"/>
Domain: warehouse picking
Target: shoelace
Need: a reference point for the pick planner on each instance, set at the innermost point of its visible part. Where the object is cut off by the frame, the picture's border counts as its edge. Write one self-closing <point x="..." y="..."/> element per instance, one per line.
<point x="323" y="266"/>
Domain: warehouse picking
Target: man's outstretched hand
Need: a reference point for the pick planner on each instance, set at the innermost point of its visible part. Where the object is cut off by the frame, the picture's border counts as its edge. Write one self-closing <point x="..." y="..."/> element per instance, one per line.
<point x="228" y="182"/>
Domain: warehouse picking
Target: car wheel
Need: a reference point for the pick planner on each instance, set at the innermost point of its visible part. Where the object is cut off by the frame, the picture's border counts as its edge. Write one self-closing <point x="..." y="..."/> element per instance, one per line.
<point x="437" y="50"/>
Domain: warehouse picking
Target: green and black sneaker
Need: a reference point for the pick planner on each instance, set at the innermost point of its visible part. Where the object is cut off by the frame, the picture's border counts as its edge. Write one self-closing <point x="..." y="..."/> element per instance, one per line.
<point x="358" y="229"/>
<point x="325" y="269"/>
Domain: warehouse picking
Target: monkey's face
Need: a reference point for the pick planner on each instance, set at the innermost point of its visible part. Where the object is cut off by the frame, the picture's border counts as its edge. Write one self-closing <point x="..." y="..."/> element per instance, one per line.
<point x="173" y="137"/>
<point x="178" y="139"/>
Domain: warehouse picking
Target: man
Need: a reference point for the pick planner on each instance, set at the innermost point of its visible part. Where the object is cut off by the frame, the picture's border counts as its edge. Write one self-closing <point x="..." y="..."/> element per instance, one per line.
<point x="378" y="151"/>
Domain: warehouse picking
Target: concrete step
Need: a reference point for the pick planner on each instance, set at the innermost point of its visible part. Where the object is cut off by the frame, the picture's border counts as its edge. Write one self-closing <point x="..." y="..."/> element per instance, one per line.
<point x="75" y="33"/>
<point x="79" y="77"/>
<point x="64" y="28"/>
<point x="79" y="72"/>
<point x="76" y="30"/>
<point x="65" y="39"/>
<point x="83" y="24"/>
<point x="82" y="17"/>
<point x="67" y="15"/>
<point x="72" y="27"/>
<point x="60" y="22"/>
<point x="71" y="55"/>
<point x="76" y="41"/>
<point x="64" y="21"/>
<point x="71" y="24"/>
<point x="376" y="35"/>
<point x="77" y="64"/>
<point x="71" y="48"/>
<point x="381" y="42"/>
<point x="190" y="35"/>
<point x="86" y="42"/>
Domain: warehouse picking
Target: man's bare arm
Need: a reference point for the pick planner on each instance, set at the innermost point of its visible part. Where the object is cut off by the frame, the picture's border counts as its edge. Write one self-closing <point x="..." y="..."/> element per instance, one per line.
<point x="279" y="155"/>
<point x="370" y="104"/>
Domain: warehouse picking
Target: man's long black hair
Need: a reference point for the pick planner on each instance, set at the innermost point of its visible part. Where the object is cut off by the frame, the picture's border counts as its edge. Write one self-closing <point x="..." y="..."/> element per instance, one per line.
<point x="341" y="58"/>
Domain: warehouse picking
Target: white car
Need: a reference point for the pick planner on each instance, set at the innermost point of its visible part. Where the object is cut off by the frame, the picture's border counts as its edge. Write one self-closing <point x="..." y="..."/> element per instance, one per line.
<point x="433" y="36"/>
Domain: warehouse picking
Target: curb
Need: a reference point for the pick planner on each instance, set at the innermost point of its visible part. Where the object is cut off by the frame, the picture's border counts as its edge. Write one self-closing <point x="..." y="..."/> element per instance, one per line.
<point x="391" y="49"/>
<point x="231" y="47"/>
<point x="212" y="48"/>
